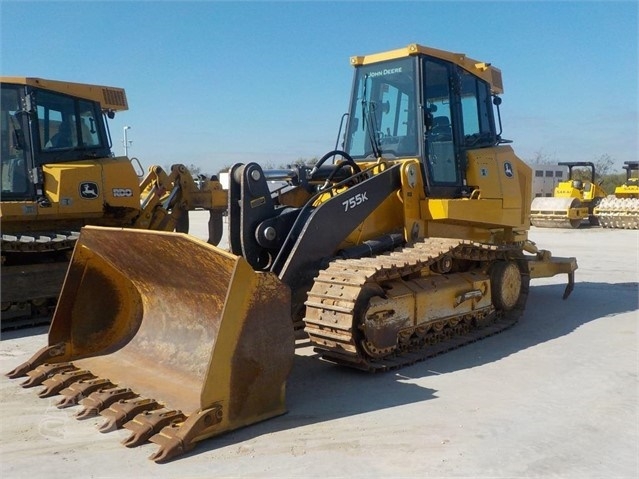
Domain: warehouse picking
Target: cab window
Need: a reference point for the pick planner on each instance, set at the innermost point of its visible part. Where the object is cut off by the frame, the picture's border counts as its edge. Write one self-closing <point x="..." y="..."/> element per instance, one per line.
<point x="89" y="123"/>
<point x="13" y="161"/>
<point x="476" y="112"/>
<point x="67" y="123"/>
<point x="442" y="163"/>
<point x="56" y="121"/>
<point x="383" y="119"/>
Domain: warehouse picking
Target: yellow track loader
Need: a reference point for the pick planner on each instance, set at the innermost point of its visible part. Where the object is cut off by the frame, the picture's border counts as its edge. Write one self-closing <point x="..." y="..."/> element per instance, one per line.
<point x="573" y="201"/>
<point x="621" y="210"/>
<point x="409" y="241"/>
<point x="58" y="174"/>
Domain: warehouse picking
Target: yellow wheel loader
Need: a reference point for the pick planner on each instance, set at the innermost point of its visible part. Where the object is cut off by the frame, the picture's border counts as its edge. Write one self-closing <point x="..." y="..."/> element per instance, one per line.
<point x="58" y="174"/>
<point x="573" y="201"/>
<point x="621" y="210"/>
<point x="409" y="241"/>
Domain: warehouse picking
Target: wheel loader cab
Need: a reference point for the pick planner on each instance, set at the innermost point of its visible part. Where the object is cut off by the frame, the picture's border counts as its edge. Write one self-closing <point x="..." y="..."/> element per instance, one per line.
<point x="420" y="106"/>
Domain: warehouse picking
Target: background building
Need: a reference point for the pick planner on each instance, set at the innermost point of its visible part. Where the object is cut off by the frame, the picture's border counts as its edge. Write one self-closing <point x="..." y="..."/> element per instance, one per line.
<point x="546" y="177"/>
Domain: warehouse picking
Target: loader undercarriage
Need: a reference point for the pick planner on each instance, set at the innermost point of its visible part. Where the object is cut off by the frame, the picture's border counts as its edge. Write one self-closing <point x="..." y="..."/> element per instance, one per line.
<point x="368" y="313"/>
<point x="33" y="270"/>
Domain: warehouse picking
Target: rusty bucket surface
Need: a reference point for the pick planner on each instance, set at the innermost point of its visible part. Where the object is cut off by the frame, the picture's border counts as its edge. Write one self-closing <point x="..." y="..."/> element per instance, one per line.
<point x="176" y="320"/>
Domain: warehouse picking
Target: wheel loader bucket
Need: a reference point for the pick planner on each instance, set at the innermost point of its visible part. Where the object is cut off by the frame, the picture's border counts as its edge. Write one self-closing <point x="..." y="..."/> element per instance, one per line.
<point x="167" y="336"/>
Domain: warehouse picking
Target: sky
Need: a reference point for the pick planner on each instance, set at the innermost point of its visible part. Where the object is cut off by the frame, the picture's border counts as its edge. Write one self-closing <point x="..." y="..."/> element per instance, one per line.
<point x="212" y="83"/>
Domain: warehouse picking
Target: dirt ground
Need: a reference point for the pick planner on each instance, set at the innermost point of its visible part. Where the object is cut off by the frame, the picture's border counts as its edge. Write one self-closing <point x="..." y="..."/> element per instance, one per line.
<point x="554" y="396"/>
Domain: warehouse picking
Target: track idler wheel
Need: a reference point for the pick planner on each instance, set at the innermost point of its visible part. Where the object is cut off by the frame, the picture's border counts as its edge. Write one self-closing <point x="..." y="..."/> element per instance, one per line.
<point x="443" y="265"/>
<point x="506" y="284"/>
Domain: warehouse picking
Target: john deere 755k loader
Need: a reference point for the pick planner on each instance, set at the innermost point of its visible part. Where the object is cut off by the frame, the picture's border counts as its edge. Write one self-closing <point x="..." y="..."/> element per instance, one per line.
<point x="411" y="241"/>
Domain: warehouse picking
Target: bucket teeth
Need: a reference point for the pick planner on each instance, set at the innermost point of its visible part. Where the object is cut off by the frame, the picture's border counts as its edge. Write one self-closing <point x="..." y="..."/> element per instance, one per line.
<point x="148" y="423"/>
<point x="102" y="399"/>
<point x="58" y="382"/>
<point x="40" y="374"/>
<point x="177" y="439"/>
<point x="171" y="444"/>
<point x="42" y="356"/>
<point x="124" y="410"/>
<point x="75" y="392"/>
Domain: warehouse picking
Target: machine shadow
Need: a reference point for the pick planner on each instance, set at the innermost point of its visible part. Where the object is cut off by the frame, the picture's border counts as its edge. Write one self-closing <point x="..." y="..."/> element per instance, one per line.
<point x="318" y="391"/>
<point x="24" y="332"/>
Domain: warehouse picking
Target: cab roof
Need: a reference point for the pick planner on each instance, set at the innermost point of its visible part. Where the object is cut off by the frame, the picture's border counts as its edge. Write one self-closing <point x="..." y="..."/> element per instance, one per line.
<point x="110" y="98"/>
<point x="483" y="70"/>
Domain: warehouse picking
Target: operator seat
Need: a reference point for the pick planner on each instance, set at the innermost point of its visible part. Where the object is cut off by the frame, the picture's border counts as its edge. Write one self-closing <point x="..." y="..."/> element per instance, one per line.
<point x="63" y="138"/>
<point x="441" y="130"/>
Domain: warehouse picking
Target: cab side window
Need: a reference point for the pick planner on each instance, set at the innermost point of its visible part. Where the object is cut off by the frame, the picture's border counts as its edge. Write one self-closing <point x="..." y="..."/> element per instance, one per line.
<point x="88" y="123"/>
<point x="476" y="112"/>
<point x="56" y="121"/>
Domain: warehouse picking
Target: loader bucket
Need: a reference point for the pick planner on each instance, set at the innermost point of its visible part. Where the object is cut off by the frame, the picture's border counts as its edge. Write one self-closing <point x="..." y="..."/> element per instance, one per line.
<point x="168" y="336"/>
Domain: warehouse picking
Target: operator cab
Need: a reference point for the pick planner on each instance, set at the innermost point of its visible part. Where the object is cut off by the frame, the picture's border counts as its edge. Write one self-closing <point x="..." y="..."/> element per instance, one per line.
<point x="410" y="103"/>
<point x="42" y="126"/>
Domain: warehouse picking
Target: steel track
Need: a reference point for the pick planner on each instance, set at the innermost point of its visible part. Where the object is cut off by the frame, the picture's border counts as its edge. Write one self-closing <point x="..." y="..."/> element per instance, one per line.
<point x="34" y="264"/>
<point x="331" y="309"/>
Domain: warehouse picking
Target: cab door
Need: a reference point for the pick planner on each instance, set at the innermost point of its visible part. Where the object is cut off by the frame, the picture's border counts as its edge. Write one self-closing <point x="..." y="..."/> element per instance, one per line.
<point x="443" y="159"/>
<point x="15" y="155"/>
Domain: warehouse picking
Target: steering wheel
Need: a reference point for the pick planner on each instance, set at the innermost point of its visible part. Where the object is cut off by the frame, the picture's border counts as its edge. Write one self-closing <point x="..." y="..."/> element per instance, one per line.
<point x="347" y="159"/>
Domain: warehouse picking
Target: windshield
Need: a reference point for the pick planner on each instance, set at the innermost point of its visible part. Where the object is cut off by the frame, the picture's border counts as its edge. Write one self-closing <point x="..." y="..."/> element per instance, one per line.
<point x="382" y="118"/>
